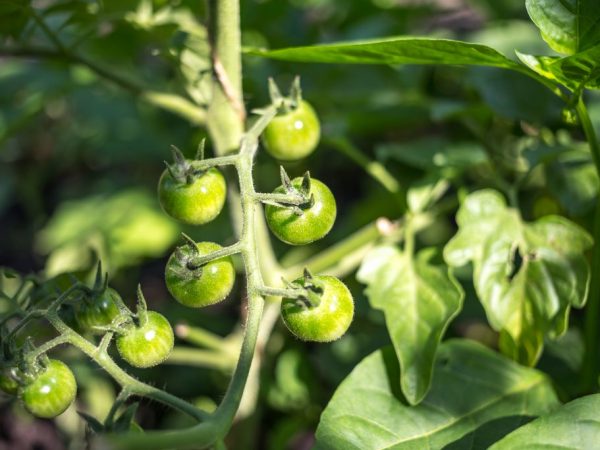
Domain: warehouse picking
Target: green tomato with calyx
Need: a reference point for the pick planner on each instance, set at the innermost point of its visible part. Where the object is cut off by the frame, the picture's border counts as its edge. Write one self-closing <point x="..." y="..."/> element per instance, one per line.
<point x="196" y="201"/>
<point x="51" y="391"/>
<point x="147" y="344"/>
<point x="306" y="223"/>
<point x="293" y="134"/>
<point x="324" y="322"/>
<point x="203" y="285"/>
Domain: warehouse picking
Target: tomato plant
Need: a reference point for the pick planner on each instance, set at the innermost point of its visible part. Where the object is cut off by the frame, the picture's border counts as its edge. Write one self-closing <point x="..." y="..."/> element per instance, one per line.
<point x="454" y="304"/>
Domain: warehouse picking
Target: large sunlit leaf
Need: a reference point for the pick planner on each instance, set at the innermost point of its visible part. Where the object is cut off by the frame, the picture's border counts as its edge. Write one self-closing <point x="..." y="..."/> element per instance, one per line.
<point x="574" y="426"/>
<point x="476" y="397"/>
<point x="568" y="26"/>
<point x="418" y="300"/>
<point x="401" y="50"/>
<point x="527" y="275"/>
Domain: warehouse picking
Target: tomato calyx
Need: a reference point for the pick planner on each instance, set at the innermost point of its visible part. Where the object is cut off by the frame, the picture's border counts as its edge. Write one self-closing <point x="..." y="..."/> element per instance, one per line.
<point x="296" y="198"/>
<point x="285" y="105"/>
<point x="182" y="170"/>
<point x="190" y="262"/>
<point x="308" y="291"/>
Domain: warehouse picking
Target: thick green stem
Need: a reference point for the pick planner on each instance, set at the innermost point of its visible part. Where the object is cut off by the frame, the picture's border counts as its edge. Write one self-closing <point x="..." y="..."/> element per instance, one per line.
<point x="226" y="113"/>
<point x="591" y="360"/>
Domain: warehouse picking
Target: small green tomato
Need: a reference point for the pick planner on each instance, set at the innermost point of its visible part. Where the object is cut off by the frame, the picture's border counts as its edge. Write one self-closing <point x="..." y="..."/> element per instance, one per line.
<point x="315" y="221"/>
<point x="8" y="383"/>
<point x="294" y="134"/>
<point x="199" y="286"/>
<point x="194" y="203"/>
<point x="98" y="311"/>
<point x="51" y="392"/>
<point x="149" y="344"/>
<point x="325" y="322"/>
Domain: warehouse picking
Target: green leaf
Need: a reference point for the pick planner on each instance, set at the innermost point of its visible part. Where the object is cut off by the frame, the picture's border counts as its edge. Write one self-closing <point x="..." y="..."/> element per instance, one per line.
<point x="578" y="71"/>
<point x="13" y="17"/>
<point x="435" y="154"/>
<point x="115" y="227"/>
<point x="568" y="26"/>
<point x="399" y="50"/>
<point x="418" y="300"/>
<point x="476" y="397"/>
<point x="574" y="426"/>
<point x="527" y="275"/>
<point x="573" y="180"/>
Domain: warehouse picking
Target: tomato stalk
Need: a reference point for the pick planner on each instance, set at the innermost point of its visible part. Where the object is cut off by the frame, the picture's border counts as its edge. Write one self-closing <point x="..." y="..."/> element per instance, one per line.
<point x="591" y="359"/>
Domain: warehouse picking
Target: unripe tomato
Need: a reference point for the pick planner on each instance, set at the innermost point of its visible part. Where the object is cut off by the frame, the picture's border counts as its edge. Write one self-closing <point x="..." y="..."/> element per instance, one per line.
<point x="315" y="221"/>
<point x="8" y="384"/>
<point x="51" y="392"/>
<point x="199" y="286"/>
<point x="149" y="344"/>
<point x="325" y="322"/>
<point x="194" y="203"/>
<point x="294" y="134"/>
<point x="98" y="311"/>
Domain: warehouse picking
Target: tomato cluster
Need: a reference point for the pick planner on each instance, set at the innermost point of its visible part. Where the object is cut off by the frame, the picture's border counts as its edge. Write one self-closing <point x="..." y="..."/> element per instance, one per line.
<point x="298" y="212"/>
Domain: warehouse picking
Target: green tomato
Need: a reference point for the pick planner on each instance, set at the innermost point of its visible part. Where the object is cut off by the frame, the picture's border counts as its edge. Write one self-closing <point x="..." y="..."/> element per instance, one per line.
<point x="199" y="286"/>
<point x="325" y="322"/>
<point x="8" y="384"/>
<point x="98" y="311"/>
<point x="51" y="392"/>
<point x="147" y="345"/>
<point x="315" y="221"/>
<point x="294" y="134"/>
<point x="194" y="203"/>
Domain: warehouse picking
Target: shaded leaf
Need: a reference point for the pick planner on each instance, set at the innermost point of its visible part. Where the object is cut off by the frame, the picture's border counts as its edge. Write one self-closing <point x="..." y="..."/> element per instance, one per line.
<point x="94" y="424"/>
<point x="434" y="154"/>
<point x="418" y="300"/>
<point x="367" y="412"/>
<point x="574" y="426"/>
<point x="126" y="420"/>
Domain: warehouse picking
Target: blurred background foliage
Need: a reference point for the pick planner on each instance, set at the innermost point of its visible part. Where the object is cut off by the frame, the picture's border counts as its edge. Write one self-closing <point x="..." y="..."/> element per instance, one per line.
<point x="83" y="140"/>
